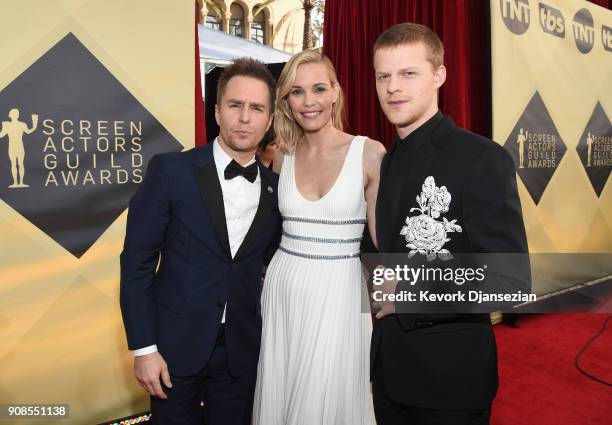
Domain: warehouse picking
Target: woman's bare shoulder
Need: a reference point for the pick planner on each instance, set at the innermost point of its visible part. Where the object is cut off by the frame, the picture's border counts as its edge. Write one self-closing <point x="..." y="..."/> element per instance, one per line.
<point x="373" y="150"/>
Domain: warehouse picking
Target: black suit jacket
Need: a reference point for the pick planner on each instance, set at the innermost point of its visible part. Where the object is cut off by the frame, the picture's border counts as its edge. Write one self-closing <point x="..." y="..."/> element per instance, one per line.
<point x="176" y="219"/>
<point x="453" y="364"/>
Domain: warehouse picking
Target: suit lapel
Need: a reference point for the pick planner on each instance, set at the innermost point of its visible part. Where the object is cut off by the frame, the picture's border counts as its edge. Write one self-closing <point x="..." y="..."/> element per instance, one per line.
<point x="210" y="190"/>
<point x="266" y="203"/>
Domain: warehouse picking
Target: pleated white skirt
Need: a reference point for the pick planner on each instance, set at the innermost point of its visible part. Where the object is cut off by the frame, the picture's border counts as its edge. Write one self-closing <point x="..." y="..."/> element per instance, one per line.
<point x="314" y="360"/>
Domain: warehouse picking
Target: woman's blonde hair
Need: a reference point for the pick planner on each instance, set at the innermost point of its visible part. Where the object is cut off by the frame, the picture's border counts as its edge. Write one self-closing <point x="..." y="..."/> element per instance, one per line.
<point x="287" y="129"/>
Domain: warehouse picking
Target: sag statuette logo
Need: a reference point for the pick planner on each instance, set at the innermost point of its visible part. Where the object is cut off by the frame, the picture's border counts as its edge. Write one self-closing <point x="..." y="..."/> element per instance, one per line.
<point x="74" y="145"/>
<point x="536" y="147"/>
<point x="595" y="148"/>
<point x="583" y="30"/>
<point x="14" y="130"/>
<point x="516" y="14"/>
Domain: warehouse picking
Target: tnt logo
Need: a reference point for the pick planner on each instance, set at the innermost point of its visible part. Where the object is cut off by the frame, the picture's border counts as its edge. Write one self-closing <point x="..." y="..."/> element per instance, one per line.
<point x="516" y="15"/>
<point x="584" y="31"/>
<point x="552" y="20"/>
<point x="606" y="37"/>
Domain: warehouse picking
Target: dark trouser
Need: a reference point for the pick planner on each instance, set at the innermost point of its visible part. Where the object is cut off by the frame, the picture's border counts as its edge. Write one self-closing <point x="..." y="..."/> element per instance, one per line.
<point x="389" y="412"/>
<point x="227" y="400"/>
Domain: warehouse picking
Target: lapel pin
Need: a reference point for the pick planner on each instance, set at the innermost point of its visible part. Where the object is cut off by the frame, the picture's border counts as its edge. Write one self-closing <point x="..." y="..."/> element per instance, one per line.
<point x="270" y="190"/>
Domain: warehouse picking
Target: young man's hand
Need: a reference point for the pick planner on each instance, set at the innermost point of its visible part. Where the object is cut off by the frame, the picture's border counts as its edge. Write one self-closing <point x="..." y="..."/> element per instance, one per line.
<point x="384" y="307"/>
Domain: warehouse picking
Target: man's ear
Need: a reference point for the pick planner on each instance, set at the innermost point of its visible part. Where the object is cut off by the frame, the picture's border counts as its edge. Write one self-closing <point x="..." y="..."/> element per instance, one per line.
<point x="217" y="114"/>
<point x="440" y="76"/>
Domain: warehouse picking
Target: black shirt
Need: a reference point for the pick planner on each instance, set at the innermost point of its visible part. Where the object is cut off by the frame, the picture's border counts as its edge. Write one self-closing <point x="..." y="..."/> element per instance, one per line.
<point x="397" y="196"/>
<point x="415" y="140"/>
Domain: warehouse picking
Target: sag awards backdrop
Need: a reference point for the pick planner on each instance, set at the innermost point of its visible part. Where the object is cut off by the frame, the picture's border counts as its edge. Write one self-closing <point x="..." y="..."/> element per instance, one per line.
<point x="552" y="103"/>
<point x="89" y="92"/>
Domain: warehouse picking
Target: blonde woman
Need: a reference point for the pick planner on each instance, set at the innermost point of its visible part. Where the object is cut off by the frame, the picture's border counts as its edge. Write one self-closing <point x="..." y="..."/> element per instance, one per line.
<point x="314" y="358"/>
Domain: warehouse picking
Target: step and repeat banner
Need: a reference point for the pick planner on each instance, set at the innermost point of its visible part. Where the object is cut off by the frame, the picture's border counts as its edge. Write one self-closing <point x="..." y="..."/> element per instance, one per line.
<point x="89" y="92"/>
<point x="552" y="105"/>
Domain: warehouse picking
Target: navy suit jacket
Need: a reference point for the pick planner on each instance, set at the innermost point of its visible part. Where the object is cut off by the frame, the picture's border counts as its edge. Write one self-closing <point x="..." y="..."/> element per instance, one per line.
<point x="177" y="272"/>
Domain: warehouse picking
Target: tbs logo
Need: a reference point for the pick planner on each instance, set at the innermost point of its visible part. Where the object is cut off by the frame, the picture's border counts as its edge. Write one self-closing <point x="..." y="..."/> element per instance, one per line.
<point x="606" y="37"/>
<point x="552" y="20"/>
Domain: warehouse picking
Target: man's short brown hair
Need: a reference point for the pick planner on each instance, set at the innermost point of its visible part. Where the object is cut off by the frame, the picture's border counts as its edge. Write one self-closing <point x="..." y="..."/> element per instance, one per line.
<point x="409" y="33"/>
<point x="247" y="67"/>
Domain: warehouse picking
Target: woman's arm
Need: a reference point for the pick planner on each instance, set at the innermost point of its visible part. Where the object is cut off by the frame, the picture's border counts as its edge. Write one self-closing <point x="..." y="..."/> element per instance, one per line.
<point x="373" y="154"/>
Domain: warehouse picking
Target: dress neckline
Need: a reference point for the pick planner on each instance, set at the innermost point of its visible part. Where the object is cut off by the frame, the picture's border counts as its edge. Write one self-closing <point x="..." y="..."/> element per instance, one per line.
<point x="344" y="162"/>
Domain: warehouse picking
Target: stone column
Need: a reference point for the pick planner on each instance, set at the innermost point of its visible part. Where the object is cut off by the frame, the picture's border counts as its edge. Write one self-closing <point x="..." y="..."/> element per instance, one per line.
<point x="247" y="28"/>
<point x="225" y="22"/>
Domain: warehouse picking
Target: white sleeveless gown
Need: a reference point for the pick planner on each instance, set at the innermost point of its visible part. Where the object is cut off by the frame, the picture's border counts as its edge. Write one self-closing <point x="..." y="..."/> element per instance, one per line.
<point x="314" y="360"/>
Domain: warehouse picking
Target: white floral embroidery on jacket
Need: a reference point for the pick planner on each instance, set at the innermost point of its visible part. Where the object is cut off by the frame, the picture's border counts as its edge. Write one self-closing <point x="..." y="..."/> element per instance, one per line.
<point x="424" y="234"/>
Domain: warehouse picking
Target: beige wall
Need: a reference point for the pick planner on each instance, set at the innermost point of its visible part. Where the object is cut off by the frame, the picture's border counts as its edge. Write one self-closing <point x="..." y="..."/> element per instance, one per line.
<point x="288" y="36"/>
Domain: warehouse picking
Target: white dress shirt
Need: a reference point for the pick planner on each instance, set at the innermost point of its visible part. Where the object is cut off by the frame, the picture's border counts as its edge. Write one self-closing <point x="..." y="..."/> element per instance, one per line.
<point x="240" y="201"/>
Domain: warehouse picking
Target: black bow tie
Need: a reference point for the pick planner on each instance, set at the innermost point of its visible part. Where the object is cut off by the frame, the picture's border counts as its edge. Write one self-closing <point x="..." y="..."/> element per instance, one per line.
<point x="234" y="169"/>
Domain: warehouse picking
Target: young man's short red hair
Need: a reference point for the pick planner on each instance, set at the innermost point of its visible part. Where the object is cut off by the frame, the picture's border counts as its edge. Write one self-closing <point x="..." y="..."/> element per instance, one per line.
<point x="409" y="33"/>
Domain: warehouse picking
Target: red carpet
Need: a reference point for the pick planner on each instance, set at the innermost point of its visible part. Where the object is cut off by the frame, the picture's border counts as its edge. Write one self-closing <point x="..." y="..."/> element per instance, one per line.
<point x="539" y="384"/>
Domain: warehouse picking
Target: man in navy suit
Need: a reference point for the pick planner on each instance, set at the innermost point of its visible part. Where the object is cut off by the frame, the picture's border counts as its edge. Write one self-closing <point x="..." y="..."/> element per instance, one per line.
<point x="199" y="231"/>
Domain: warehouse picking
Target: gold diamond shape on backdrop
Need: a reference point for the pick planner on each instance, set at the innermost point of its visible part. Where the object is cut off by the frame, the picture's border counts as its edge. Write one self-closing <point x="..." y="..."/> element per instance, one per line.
<point x="100" y="265"/>
<point x="540" y="53"/>
<point x="539" y="239"/>
<point x="596" y="79"/>
<point x="605" y="202"/>
<point x="519" y="88"/>
<point x="29" y="284"/>
<point x="71" y="355"/>
<point x="567" y="214"/>
<point x="597" y="238"/>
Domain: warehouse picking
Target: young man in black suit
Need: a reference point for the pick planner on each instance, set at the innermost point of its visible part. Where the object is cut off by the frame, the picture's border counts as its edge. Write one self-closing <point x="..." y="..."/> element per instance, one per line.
<point x="436" y="368"/>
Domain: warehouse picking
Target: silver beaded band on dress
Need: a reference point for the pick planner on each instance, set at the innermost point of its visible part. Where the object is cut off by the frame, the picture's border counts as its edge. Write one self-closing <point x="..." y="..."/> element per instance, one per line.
<point x="323" y="221"/>
<point x="319" y="257"/>
<point x="321" y="240"/>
